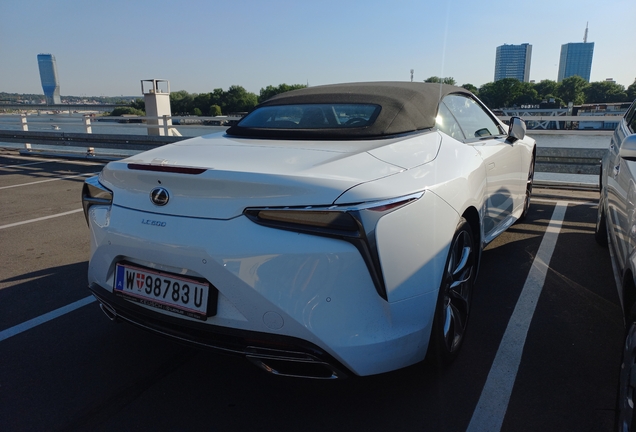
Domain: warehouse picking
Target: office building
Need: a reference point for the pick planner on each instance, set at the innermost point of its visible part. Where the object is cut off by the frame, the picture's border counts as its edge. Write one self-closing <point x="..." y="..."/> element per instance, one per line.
<point x="48" y="76"/>
<point x="513" y="61"/>
<point x="576" y="59"/>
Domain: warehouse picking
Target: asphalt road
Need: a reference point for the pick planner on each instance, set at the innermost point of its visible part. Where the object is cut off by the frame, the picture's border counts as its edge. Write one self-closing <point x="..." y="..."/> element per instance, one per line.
<point x="80" y="371"/>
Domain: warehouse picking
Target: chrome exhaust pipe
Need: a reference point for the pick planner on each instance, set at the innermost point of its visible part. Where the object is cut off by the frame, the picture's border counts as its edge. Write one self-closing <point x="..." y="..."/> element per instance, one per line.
<point x="292" y="364"/>
<point x="108" y="311"/>
<point x="285" y="367"/>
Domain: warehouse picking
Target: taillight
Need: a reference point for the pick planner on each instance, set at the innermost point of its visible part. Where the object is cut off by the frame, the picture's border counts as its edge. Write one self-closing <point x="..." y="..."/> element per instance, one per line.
<point x="94" y="193"/>
<point x="326" y="222"/>
<point x="355" y="223"/>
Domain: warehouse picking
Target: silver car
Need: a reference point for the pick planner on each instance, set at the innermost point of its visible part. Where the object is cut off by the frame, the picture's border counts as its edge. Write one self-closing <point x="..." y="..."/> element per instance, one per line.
<point x="616" y="228"/>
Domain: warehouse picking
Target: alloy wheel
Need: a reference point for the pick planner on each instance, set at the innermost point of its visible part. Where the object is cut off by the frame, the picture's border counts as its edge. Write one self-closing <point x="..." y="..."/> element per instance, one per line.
<point x="457" y="290"/>
<point x="627" y="384"/>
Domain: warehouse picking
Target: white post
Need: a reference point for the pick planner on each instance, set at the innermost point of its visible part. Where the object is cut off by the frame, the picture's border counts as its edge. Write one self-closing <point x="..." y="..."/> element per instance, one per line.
<point x="87" y="124"/>
<point x="23" y="121"/>
<point x="166" y="128"/>
<point x="25" y="128"/>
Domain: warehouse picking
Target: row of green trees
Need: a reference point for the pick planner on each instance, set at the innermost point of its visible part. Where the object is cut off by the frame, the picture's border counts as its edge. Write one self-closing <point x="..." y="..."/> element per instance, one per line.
<point x="218" y="102"/>
<point x="507" y="92"/>
<point x="510" y="92"/>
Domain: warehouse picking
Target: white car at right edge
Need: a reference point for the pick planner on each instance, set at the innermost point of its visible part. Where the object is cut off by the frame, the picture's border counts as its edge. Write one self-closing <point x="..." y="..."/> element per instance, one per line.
<point x="616" y="228"/>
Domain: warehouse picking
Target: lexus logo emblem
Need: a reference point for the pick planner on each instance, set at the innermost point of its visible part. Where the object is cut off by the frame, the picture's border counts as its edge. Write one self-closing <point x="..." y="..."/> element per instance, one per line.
<point x="159" y="196"/>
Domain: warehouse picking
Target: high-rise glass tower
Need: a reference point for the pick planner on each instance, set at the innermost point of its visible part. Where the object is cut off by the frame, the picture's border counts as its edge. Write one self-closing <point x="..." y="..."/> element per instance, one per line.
<point x="48" y="76"/>
<point x="513" y="61"/>
<point x="576" y="59"/>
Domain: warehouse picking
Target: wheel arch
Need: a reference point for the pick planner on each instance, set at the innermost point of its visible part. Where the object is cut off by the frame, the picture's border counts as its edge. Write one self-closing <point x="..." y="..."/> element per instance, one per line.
<point x="629" y="295"/>
<point x="472" y="217"/>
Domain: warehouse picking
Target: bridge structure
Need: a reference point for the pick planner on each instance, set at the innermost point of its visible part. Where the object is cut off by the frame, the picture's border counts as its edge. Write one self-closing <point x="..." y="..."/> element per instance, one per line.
<point x="58" y="107"/>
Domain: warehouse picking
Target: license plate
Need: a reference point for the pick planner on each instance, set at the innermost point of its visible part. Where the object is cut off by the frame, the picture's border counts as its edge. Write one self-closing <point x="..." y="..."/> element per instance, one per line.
<point x="164" y="291"/>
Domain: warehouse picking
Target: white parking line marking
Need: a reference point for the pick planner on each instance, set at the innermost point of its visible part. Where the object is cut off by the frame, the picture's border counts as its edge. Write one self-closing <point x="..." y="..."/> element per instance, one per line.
<point x="568" y="202"/>
<point x="64" y="161"/>
<point x="40" y="219"/>
<point x="26" y="164"/>
<point x="27" y="325"/>
<point x="49" y="180"/>
<point x="493" y="402"/>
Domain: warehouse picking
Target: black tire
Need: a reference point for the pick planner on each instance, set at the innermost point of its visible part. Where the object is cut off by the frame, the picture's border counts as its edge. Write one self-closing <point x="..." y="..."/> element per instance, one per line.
<point x="600" y="232"/>
<point x="455" y="296"/>
<point x="529" y="183"/>
<point x="625" y="418"/>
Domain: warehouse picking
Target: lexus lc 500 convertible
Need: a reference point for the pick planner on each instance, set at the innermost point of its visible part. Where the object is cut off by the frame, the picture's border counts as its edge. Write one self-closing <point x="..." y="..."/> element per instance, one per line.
<point x="335" y="230"/>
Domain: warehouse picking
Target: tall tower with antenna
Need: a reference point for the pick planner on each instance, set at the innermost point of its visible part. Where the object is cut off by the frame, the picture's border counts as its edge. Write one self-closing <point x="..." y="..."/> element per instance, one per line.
<point x="576" y="58"/>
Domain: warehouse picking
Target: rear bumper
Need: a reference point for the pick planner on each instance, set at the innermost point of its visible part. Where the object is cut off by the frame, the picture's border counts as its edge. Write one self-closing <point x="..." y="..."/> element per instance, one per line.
<point x="310" y="297"/>
<point x="277" y="354"/>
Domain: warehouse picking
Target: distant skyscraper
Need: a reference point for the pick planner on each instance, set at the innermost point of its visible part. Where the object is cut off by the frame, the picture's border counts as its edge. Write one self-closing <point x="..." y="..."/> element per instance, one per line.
<point x="513" y="61"/>
<point x="576" y="59"/>
<point x="48" y="76"/>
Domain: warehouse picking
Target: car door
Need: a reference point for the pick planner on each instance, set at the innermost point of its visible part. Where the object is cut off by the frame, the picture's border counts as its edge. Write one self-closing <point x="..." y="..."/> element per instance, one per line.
<point x="506" y="184"/>
<point x="620" y="188"/>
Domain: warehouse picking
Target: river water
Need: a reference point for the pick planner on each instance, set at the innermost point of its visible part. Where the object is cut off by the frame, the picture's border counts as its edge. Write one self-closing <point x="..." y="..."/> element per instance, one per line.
<point x="74" y="124"/>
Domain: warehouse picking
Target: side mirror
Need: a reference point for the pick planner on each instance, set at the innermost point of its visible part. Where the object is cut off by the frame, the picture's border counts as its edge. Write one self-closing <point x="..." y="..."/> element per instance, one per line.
<point x="628" y="148"/>
<point x="517" y="130"/>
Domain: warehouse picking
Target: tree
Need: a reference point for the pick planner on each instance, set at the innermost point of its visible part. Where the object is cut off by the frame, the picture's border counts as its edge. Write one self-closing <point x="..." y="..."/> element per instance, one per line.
<point x="438" y="80"/>
<point x="237" y="99"/>
<point x="215" y="110"/>
<point x="139" y="104"/>
<point x="197" y="112"/>
<point x="202" y="103"/>
<point x="126" y="110"/>
<point x="471" y="88"/>
<point x="631" y="91"/>
<point x="525" y="94"/>
<point x="271" y="91"/>
<point x="545" y="88"/>
<point x="605" y="91"/>
<point x="507" y="92"/>
<point x="572" y="89"/>
<point x="180" y="102"/>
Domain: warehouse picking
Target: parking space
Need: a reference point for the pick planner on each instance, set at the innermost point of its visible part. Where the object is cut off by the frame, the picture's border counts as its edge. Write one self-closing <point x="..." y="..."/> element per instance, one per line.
<point x="76" y="370"/>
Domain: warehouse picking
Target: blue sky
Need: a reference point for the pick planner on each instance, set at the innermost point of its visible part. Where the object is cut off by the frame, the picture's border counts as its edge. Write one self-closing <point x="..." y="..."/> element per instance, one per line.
<point x="106" y="47"/>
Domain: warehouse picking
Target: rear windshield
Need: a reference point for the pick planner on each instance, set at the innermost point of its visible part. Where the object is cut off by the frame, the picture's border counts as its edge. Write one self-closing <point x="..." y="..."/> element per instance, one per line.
<point x="311" y="116"/>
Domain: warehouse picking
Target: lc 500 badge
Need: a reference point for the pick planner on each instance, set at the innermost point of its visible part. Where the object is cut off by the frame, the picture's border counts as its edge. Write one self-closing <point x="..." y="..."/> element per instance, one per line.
<point x="153" y="223"/>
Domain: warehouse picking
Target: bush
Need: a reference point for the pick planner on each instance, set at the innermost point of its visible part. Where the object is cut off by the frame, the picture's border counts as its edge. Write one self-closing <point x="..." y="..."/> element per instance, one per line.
<point x="215" y="110"/>
<point x="120" y="111"/>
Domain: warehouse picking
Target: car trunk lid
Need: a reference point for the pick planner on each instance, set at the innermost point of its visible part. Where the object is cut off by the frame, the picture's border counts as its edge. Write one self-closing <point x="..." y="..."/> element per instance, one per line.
<point x="216" y="177"/>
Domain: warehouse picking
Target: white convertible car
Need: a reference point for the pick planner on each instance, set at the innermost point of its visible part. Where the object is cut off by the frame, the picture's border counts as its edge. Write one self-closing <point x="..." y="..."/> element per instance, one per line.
<point x="335" y="230"/>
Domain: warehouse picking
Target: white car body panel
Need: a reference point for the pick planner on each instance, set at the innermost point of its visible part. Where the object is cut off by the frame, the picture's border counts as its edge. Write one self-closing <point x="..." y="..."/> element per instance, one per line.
<point x="618" y="177"/>
<point x="306" y="292"/>
<point x="413" y="259"/>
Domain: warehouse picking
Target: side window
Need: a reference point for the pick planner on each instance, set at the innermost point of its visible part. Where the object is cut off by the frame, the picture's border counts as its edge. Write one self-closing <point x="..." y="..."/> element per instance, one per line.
<point x="474" y="121"/>
<point x="447" y="123"/>
<point x="630" y="118"/>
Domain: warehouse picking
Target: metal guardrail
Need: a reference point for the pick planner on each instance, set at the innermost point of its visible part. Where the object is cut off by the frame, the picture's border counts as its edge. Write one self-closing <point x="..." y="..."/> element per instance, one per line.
<point x="569" y="160"/>
<point x="83" y="145"/>
<point x="106" y="141"/>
